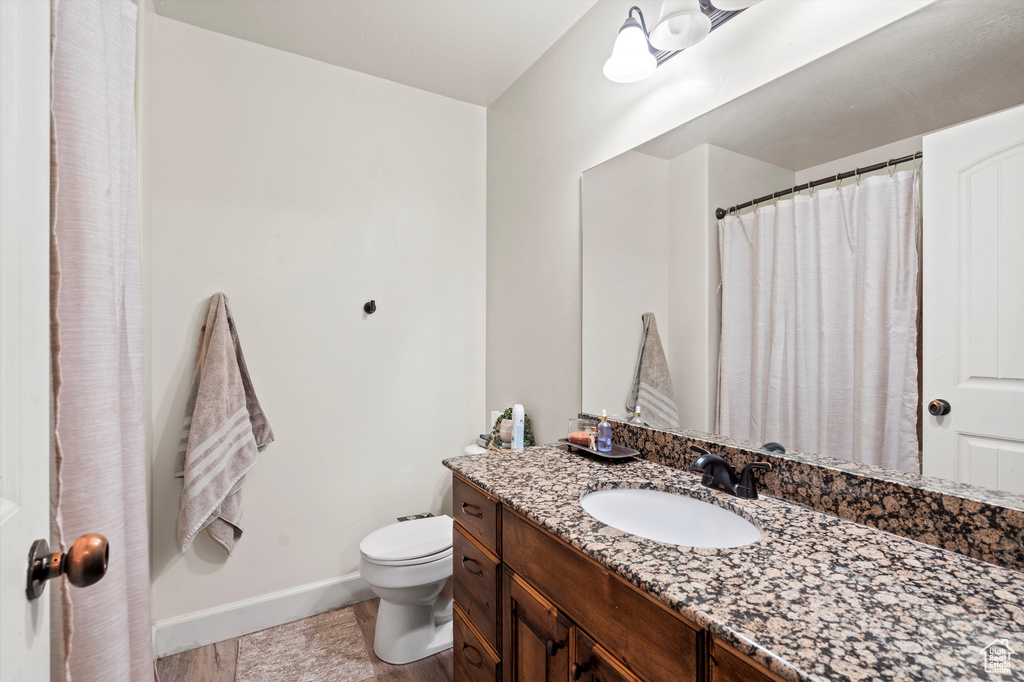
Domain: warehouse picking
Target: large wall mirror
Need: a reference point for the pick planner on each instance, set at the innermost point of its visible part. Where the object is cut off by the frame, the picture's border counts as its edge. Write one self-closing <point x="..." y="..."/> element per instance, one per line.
<point x="945" y="82"/>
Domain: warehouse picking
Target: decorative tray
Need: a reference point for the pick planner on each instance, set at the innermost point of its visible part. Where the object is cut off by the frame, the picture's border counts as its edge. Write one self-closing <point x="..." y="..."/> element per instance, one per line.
<point x="617" y="451"/>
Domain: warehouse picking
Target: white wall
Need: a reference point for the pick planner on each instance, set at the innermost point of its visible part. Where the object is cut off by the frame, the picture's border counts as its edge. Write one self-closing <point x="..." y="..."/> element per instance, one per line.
<point x="688" y="245"/>
<point x="650" y="243"/>
<point x="625" y="273"/>
<point x="561" y="117"/>
<point x="302" y="190"/>
<point x="869" y="157"/>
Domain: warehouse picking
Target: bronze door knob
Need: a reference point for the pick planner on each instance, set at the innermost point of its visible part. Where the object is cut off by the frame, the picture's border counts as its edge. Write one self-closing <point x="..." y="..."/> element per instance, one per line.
<point x="939" y="407"/>
<point x="84" y="563"/>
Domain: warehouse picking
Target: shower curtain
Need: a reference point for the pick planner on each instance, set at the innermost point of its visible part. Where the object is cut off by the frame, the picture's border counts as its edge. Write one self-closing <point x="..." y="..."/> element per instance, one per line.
<point x="97" y="334"/>
<point x="819" y="322"/>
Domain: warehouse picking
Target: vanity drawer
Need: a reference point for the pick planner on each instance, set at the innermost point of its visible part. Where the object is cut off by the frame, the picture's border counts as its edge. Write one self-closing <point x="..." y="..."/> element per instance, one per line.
<point x="477" y="585"/>
<point x="649" y="639"/>
<point x="472" y="660"/>
<point x="477" y="512"/>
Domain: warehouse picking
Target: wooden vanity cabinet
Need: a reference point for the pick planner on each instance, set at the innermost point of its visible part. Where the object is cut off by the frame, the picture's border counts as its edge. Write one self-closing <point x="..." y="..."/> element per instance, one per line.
<point x="536" y="642"/>
<point x="476" y="588"/>
<point x="473" y="660"/>
<point x="593" y="663"/>
<point x="531" y="608"/>
<point x="729" y="665"/>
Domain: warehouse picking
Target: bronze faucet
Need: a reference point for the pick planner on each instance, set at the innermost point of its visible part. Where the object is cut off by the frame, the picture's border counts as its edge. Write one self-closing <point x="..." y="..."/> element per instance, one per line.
<point x="717" y="474"/>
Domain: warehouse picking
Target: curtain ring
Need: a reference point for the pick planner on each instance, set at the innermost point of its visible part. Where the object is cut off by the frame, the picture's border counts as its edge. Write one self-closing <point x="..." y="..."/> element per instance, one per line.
<point x="892" y="170"/>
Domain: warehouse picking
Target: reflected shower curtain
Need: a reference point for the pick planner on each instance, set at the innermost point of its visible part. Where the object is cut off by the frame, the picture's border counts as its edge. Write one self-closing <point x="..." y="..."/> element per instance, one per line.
<point x="97" y="334"/>
<point x="819" y="322"/>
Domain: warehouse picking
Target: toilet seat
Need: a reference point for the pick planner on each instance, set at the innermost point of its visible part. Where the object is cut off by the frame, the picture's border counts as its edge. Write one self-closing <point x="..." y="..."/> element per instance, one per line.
<point x="409" y="542"/>
<point x="415" y="561"/>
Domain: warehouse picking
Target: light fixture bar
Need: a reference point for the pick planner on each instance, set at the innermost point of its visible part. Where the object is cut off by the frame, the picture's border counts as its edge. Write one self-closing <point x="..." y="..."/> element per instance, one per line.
<point x="717" y="17"/>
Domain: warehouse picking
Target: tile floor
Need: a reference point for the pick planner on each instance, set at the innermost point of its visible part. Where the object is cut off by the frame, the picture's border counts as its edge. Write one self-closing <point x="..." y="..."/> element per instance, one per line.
<point x="222" y="662"/>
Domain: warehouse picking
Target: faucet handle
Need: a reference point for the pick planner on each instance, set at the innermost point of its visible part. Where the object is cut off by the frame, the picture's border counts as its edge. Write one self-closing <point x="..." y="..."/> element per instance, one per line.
<point x="699" y="451"/>
<point x="706" y="462"/>
<point x="747" y="488"/>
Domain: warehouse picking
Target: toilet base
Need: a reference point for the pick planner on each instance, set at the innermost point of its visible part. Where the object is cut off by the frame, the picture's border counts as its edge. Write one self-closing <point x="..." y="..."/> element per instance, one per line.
<point x="408" y="633"/>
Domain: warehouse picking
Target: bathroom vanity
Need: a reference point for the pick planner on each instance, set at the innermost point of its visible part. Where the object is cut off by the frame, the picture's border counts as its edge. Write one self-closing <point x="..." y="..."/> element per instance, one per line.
<point x="544" y="591"/>
<point x="531" y="607"/>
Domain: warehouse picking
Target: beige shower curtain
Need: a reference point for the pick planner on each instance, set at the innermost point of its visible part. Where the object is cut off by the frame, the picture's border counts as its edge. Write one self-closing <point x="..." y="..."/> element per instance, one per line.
<point x="96" y="308"/>
<point x="819" y="322"/>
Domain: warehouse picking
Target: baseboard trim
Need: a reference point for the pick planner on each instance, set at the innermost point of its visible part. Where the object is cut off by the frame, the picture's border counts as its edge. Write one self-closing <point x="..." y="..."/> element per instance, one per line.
<point x="200" y="628"/>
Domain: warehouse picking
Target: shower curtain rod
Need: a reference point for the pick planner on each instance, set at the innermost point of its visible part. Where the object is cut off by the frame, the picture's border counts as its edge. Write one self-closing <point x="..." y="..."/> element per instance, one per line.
<point x="721" y="212"/>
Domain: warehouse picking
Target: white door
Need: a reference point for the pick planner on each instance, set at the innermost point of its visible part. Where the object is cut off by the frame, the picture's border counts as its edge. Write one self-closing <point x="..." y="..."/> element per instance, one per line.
<point x="24" y="331"/>
<point x="973" y="305"/>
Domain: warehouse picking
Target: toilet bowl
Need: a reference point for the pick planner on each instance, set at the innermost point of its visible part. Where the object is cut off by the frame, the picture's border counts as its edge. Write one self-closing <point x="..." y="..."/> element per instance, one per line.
<point x="408" y="565"/>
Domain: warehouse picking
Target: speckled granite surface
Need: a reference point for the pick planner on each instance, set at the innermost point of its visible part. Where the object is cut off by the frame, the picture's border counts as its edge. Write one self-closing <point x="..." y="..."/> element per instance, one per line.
<point x="981" y="523"/>
<point x="818" y="597"/>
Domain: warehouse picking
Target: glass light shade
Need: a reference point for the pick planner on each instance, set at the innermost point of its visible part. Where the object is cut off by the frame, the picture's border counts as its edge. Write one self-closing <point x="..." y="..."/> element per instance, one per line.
<point x="631" y="58"/>
<point x="733" y="5"/>
<point x="681" y="25"/>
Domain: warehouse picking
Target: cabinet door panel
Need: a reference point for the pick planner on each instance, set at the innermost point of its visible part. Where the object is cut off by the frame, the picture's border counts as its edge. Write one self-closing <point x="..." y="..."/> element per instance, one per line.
<point x="655" y="643"/>
<point x="593" y="663"/>
<point x="537" y="636"/>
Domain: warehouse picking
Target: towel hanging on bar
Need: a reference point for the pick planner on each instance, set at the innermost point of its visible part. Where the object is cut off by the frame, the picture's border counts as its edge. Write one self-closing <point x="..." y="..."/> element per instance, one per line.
<point x="223" y="430"/>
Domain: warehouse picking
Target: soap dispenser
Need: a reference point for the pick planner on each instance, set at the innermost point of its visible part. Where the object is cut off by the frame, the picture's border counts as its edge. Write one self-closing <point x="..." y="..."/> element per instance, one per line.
<point x="604" y="433"/>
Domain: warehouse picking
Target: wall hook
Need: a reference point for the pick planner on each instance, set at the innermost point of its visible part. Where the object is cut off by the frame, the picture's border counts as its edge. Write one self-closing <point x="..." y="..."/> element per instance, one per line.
<point x="370" y="307"/>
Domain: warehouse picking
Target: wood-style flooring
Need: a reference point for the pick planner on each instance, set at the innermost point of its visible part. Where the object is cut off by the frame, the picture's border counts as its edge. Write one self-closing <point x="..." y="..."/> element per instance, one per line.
<point x="218" y="662"/>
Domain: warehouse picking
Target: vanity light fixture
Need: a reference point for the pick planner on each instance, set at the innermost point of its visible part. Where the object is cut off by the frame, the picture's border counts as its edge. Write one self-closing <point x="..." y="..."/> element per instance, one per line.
<point x="632" y="55"/>
<point x="681" y="25"/>
<point x="734" y="5"/>
<point x="638" y="52"/>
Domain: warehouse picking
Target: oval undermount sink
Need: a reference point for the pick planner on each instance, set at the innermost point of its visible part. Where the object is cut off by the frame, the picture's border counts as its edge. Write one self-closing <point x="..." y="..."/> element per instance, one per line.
<point x="669" y="517"/>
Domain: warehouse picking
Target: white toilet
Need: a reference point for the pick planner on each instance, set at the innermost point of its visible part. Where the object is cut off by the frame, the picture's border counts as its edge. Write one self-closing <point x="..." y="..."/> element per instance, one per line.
<point x="408" y="565"/>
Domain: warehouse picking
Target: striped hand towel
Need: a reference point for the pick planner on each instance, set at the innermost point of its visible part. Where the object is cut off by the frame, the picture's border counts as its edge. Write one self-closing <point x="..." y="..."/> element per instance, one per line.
<point x="652" y="389"/>
<point x="223" y="430"/>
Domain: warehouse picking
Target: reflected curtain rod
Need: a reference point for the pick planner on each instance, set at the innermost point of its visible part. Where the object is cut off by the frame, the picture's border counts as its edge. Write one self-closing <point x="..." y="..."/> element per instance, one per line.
<point x="721" y="212"/>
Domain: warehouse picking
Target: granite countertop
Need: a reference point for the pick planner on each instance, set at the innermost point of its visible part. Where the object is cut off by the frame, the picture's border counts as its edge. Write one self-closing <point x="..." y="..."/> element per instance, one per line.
<point x="817" y="598"/>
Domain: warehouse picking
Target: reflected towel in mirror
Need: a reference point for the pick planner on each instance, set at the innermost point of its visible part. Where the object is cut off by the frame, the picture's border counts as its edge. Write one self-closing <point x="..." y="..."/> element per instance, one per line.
<point x="652" y="391"/>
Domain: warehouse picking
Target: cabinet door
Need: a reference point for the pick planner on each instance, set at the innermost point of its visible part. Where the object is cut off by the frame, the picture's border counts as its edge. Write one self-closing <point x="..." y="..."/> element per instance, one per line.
<point x="537" y="636"/>
<point x="593" y="663"/>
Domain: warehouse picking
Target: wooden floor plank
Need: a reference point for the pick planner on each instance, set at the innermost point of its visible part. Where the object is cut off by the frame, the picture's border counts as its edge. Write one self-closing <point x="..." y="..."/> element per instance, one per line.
<point x="211" y="663"/>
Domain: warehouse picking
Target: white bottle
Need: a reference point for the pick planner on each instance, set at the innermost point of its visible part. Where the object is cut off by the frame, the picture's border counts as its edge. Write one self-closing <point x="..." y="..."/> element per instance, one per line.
<point x="518" y="427"/>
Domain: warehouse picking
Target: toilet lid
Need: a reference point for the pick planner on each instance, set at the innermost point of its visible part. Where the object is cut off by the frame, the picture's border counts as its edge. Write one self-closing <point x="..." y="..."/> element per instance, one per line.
<point x="409" y="539"/>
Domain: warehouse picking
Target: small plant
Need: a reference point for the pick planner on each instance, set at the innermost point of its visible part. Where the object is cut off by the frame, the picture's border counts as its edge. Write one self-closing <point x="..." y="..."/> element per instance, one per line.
<point x="495" y="440"/>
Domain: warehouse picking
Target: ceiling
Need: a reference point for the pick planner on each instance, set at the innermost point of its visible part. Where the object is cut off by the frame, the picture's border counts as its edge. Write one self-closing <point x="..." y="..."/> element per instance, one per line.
<point x="470" y="50"/>
<point x="949" y="62"/>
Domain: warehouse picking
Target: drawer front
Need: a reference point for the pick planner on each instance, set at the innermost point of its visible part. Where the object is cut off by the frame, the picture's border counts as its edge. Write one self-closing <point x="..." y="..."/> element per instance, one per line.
<point x="655" y="644"/>
<point x="472" y="661"/>
<point x="477" y="586"/>
<point x="475" y="511"/>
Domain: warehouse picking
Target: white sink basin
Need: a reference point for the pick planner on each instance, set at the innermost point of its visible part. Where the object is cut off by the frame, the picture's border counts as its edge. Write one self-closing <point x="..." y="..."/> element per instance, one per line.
<point x="671" y="518"/>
